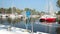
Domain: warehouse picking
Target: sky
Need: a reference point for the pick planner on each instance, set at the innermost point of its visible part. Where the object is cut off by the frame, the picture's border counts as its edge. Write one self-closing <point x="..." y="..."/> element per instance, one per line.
<point x="39" y="5"/>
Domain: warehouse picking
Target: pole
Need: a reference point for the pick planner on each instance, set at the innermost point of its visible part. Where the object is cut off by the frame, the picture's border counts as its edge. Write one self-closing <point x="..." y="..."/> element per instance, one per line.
<point x="32" y="25"/>
<point x="26" y="25"/>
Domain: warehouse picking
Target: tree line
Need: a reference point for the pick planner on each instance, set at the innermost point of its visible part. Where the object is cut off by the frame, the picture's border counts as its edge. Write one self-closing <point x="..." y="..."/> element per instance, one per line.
<point x="17" y="10"/>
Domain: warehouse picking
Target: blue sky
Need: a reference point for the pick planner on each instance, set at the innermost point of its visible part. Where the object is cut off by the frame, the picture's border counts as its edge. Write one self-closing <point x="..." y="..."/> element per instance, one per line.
<point x="39" y="5"/>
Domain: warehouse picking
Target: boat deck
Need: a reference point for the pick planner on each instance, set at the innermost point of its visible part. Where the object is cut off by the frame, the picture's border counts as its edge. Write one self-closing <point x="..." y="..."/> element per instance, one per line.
<point x="14" y="30"/>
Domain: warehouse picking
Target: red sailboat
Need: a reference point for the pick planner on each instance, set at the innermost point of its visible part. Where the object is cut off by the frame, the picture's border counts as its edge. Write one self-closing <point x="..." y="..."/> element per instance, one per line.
<point x="48" y="19"/>
<point x="51" y="17"/>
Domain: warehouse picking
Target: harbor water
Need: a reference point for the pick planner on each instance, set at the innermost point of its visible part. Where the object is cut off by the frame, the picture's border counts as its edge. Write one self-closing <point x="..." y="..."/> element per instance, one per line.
<point x="37" y="27"/>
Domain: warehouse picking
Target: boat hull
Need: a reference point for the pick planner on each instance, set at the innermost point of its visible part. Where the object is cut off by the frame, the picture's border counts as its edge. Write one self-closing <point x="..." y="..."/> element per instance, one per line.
<point x="48" y="20"/>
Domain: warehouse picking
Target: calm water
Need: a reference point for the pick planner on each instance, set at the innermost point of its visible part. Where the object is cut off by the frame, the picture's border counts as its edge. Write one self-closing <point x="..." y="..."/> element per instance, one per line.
<point x="37" y="27"/>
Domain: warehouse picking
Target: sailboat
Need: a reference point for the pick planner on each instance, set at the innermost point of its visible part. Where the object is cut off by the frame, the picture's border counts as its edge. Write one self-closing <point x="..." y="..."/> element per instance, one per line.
<point x="49" y="18"/>
<point x="3" y="14"/>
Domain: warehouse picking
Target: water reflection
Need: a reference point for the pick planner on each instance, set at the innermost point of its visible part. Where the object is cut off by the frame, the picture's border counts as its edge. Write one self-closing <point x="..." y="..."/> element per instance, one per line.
<point x="37" y="27"/>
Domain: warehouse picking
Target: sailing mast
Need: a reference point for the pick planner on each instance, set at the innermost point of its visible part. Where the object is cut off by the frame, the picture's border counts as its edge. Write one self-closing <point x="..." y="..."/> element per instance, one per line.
<point x="51" y="12"/>
<point x="2" y="8"/>
<point x="51" y="8"/>
<point x="12" y="6"/>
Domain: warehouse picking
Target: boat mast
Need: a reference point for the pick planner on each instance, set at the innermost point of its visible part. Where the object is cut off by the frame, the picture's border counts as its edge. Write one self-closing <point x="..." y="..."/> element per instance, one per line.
<point x="51" y="11"/>
<point x="12" y="6"/>
<point x="2" y="8"/>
